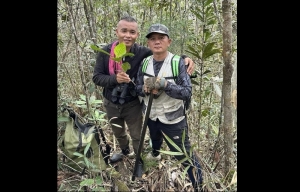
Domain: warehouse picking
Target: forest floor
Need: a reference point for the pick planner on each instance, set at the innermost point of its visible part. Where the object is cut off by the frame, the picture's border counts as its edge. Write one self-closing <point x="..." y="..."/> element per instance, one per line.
<point x="163" y="175"/>
<point x="159" y="176"/>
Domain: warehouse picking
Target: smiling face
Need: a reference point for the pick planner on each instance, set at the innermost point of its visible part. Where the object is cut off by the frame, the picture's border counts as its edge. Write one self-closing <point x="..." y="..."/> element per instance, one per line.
<point x="127" y="32"/>
<point x="158" y="43"/>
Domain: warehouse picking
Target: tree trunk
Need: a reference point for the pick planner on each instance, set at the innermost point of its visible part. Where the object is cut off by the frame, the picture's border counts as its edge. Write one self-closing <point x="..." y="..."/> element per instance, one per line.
<point x="226" y="89"/>
<point x="78" y="54"/>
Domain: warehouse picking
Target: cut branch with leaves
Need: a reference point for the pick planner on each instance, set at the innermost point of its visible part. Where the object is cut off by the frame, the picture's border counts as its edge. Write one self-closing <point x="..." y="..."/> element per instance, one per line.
<point x="120" y="52"/>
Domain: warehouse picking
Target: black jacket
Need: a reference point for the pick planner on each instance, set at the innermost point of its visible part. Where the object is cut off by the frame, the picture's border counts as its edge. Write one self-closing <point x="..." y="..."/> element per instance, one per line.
<point x="101" y="75"/>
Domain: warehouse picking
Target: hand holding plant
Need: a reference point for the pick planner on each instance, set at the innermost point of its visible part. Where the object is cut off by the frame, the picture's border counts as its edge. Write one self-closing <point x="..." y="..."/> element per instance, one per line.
<point x="120" y="52"/>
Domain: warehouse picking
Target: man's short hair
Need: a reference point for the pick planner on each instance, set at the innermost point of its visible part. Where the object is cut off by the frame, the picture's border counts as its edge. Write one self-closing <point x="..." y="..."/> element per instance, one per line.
<point x="128" y="18"/>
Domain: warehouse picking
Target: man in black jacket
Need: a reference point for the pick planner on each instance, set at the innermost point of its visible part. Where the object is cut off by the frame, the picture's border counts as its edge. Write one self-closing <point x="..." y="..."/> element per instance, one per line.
<point x="120" y="99"/>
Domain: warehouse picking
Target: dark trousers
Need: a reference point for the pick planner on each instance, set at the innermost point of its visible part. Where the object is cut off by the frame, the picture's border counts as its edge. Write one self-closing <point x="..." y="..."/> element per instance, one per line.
<point x="175" y="132"/>
<point x="129" y="113"/>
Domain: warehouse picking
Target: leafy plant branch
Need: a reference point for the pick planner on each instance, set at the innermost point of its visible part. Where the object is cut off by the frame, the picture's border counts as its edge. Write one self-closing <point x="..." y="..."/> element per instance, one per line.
<point x="120" y="52"/>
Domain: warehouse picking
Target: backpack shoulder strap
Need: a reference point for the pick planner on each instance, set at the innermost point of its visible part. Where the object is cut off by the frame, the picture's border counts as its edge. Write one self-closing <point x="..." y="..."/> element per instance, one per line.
<point x="145" y="65"/>
<point x="175" y="71"/>
<point x="175" y="67"/>
<point x="174" y="64"/>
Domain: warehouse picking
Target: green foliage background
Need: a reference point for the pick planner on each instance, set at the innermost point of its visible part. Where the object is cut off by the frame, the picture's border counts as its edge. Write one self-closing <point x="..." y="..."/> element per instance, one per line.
<point x="196" y="30"/>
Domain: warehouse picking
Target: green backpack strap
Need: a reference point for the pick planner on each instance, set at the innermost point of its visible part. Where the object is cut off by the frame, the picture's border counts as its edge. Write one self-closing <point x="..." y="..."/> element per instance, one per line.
<point x="175" y="71"/>
<point x="175" y="66"/>
<point x="145" y="64"/>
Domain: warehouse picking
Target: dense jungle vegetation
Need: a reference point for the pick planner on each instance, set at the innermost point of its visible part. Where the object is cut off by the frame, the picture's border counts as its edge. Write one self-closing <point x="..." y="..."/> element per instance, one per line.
<point x="206" y="31"/>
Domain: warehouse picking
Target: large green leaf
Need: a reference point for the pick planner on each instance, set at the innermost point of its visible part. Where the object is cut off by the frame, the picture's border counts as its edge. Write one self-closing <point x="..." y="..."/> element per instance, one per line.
<point x="120" y="50"/>
<point x="194" y="52"/>
<point x="126" y="66"/>
<point x="208" y="50"/>
<point x="212" y="52"/>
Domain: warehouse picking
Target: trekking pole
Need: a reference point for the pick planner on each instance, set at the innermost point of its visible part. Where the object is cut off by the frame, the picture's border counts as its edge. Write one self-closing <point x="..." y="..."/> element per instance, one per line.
<point x="138" y="155"/>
